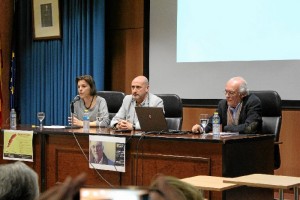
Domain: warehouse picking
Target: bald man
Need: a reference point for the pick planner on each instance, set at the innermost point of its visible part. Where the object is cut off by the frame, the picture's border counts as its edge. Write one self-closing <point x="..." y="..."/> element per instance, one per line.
<point x="126" y="117"/>
<point x="239" y="112"/>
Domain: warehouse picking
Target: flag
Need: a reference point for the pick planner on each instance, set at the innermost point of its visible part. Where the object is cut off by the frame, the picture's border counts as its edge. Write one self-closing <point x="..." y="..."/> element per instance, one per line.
<point x="1" y="66"/>
<point x="12" y="77"/>
<point x="12" y="80"/>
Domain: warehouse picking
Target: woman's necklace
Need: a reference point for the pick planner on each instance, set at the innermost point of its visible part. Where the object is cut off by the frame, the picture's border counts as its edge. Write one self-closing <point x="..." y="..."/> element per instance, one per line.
<point x="90" y="104"/>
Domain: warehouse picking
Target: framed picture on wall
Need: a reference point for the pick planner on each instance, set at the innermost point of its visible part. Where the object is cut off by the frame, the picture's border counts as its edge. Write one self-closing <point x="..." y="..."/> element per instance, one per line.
<point x="46" y="21"/>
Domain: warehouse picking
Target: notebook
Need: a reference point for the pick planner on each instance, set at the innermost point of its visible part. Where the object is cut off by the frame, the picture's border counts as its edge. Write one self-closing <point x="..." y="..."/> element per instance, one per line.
<point x="151" y="119"/>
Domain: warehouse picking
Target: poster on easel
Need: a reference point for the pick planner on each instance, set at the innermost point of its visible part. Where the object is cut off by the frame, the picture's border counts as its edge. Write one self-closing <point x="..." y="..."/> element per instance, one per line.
<point x="18" y="145"/>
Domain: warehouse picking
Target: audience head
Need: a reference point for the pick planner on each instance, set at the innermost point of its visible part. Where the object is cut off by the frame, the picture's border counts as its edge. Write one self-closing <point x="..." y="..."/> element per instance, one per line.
<point x="167" y="187"/>
<point x="139" y="88"/>
<point x="86" y="84"/>
<point x="235" y="90"/>
<point x="18" y="181"/>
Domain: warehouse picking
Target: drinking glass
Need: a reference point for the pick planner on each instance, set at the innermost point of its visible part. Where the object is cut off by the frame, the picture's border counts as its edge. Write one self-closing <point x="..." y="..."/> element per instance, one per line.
<point x="99" y="119"/>
<point x="203" y="121"/>
<point x="41" y="117"/>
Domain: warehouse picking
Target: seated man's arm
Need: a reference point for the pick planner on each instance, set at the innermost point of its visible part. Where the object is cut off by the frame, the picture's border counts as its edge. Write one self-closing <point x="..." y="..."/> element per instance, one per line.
<point x="119" y="116"/>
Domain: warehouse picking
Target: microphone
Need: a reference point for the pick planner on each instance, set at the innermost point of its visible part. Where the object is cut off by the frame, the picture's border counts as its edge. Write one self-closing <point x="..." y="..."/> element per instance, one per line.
<point x="77" y="98"/>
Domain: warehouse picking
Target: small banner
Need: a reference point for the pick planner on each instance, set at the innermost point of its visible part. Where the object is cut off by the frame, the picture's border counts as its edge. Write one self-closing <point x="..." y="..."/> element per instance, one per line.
<point x="18" y="145"/>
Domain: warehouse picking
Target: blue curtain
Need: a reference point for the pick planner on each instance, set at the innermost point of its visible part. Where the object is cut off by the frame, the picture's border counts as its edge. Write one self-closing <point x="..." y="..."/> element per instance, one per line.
<point x="46" y="69"/>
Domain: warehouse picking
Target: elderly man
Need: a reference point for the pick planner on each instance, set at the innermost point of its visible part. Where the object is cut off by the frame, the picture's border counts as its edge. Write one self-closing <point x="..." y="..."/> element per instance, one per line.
<point x="126" y="117"/>
<point x="239" y="112"/>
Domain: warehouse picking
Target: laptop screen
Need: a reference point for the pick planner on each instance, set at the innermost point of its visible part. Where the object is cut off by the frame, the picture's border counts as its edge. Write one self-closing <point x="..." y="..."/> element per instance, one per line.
<point x="151" y="119"/>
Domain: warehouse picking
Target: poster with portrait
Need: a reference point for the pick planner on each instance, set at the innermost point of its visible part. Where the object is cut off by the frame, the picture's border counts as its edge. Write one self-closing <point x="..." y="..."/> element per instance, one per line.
<point x="107" y="153"/>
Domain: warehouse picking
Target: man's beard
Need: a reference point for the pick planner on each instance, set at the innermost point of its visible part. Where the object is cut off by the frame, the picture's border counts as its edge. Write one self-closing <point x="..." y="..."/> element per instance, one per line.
<point x="135" y="97"/>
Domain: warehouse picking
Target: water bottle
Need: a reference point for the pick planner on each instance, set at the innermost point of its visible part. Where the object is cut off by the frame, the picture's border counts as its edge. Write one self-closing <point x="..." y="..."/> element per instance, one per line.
<point x="216" y="124"/>
<point x="86" y="122"/>
<point x="13" y="119"/>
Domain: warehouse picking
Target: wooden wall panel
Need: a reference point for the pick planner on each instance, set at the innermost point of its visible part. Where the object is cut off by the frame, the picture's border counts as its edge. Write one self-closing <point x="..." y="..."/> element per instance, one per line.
<point x="6" y="22"/>
<point x="125" y="14"/>
<point x="126" y="57"/>
<point x="134" y="58"/>
<point x="290" y="147"/>
<point x="125" y="40"/>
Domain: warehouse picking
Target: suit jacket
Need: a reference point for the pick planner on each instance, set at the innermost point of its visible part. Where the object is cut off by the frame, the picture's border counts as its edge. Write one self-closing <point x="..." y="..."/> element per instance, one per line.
<point x="250" y="119"/>
<point x="107" y="161"/>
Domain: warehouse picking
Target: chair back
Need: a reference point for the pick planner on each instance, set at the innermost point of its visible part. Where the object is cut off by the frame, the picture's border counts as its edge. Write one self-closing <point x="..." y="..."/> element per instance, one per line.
<point x="173" y="110"/>
<point x="114" y="100"/>
<point x="272" y="117"/>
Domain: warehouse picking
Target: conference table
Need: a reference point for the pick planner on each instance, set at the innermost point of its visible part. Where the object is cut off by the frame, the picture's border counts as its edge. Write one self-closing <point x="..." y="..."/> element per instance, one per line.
<point x="268" y="181"/>
<point x="58" y="153"/>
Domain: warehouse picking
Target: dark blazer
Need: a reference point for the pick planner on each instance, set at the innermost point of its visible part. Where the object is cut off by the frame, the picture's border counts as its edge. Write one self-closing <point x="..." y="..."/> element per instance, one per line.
<point x="107" y="161"/>
<point x="250" y="119"/>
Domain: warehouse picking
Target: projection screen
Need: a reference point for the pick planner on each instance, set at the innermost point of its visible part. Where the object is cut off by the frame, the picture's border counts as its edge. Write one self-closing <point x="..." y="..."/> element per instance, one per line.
<point x="195" y="46"/>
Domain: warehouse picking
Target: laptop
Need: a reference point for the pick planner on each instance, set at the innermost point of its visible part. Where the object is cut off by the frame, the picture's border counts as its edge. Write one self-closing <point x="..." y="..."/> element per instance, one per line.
<point x="151" y="119"/>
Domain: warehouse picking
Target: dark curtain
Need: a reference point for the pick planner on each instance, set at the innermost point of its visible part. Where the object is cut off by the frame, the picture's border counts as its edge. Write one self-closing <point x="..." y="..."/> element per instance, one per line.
<point x="46" y="69"/>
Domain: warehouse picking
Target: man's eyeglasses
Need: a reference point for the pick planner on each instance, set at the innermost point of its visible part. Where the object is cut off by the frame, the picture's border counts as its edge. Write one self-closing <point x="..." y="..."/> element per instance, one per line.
<point x="229" y="93"/>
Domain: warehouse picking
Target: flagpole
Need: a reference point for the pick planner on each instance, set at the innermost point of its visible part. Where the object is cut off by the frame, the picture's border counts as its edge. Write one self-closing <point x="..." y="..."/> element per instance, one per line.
<point x="13" y="63"/>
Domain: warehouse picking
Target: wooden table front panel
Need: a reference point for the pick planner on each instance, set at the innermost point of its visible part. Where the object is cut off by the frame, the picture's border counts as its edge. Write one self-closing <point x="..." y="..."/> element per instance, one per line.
<point x="57" y="155"/>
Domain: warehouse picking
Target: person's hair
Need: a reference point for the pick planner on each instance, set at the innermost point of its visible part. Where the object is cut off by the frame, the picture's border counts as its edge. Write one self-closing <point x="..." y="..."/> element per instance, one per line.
<point x="185" y="190"/>
<point x="243" y="87"/>
<point x="89" y="79"/>
<point x="18" y="181"/>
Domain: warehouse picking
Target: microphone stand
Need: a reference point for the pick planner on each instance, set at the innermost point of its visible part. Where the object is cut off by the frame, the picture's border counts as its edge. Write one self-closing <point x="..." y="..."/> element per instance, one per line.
<point x="77" y="98"/>
<point x="72" y="114"/>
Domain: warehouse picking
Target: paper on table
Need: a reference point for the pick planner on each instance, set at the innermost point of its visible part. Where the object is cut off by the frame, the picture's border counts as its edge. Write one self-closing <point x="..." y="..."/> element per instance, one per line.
<point x="229" y="133"/>
<point x="54" y="126"/>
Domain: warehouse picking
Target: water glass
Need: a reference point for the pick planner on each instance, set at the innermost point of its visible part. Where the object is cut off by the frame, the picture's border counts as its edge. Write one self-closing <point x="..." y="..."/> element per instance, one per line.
<point x="203" y="121"/>
<point x="41" y="117"/>
<point x="99" y="119"/>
